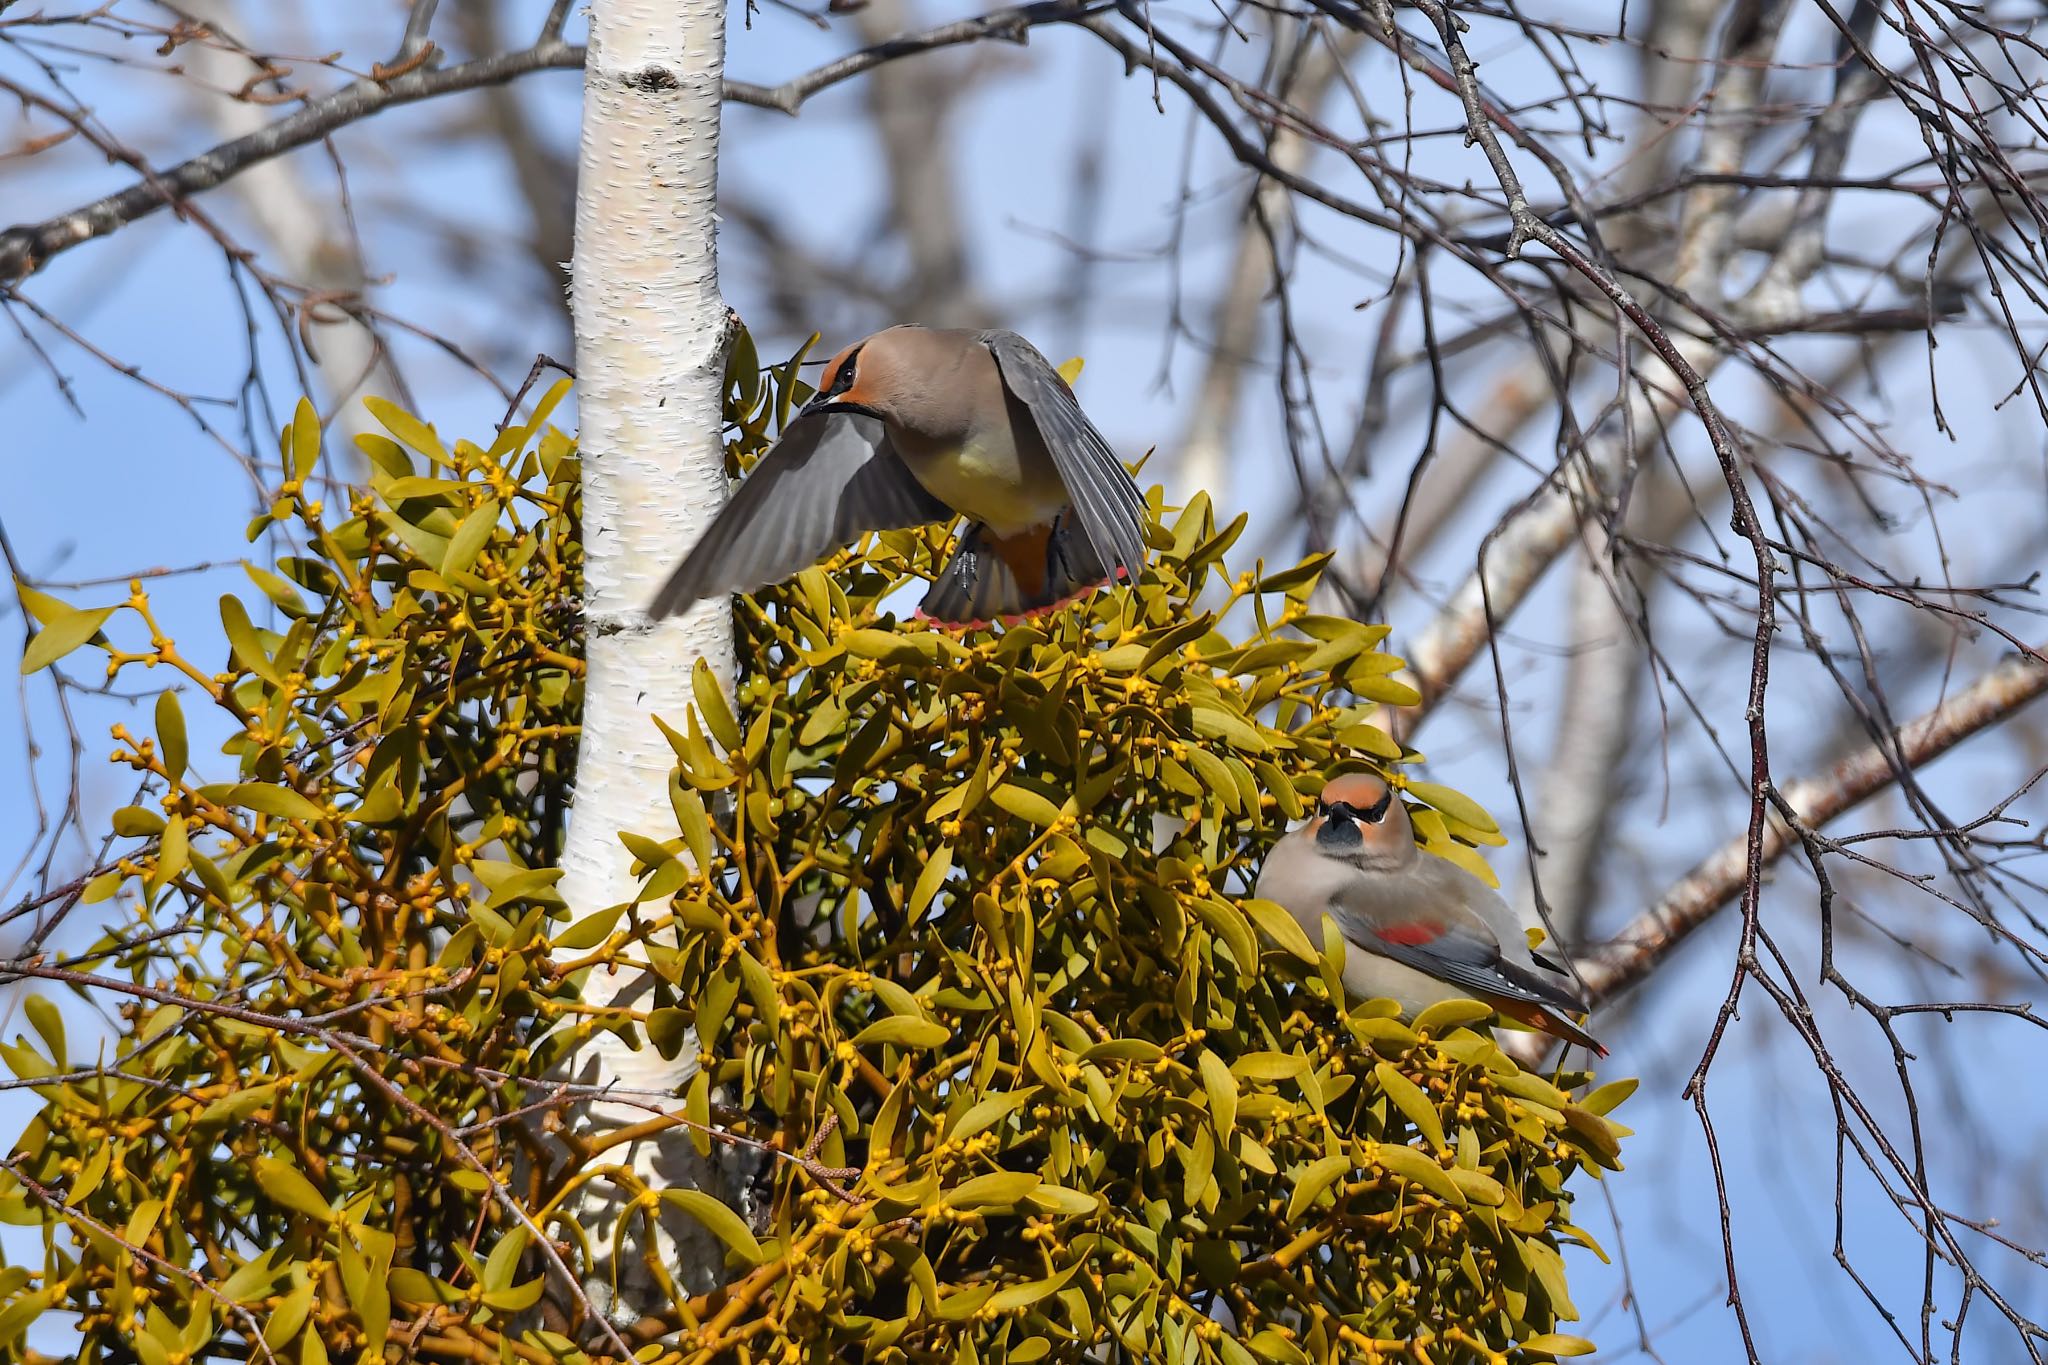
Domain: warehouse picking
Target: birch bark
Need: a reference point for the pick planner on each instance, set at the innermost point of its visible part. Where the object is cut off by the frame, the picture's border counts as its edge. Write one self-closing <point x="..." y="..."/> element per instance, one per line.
<point x="650" y="355"/>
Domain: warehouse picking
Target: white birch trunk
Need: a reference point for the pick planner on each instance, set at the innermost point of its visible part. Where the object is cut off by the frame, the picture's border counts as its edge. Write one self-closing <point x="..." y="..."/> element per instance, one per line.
<point x="650" y="334"/>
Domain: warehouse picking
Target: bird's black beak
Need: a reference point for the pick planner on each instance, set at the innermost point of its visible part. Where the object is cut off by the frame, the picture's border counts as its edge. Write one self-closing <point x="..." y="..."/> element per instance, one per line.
<point x="825" y="404"/>
<point x="1339" y="831"/>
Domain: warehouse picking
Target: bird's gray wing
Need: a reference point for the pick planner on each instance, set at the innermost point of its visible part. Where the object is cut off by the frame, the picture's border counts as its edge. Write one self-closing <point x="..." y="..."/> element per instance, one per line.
<point x="1470" y="963"/>
<point x="832" y="476"/>
<point x="1450" y="883"/>
<point x="1442" y="938"/>
<point x="1111" y="509"/>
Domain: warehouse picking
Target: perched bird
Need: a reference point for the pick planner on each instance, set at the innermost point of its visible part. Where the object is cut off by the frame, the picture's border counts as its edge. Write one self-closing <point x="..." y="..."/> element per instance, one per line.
<point x="913" y="426"/>
<point x="1419" y="928"/>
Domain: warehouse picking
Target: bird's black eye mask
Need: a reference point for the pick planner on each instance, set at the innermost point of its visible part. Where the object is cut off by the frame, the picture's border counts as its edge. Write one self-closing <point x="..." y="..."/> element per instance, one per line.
<point x="842" y="380"/>
<point x="1371" y="815"/>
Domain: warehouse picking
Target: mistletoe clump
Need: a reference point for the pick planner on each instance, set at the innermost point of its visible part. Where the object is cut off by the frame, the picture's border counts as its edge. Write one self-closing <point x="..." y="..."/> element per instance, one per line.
<point x="958" y="926"/>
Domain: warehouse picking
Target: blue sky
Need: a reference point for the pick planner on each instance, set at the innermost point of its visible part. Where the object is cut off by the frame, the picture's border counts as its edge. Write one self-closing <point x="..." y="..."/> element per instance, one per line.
<point x="132" y="483"/>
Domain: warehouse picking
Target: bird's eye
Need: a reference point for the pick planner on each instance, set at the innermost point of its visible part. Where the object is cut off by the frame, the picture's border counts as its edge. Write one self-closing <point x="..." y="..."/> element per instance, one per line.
<point x="843" y="380"/>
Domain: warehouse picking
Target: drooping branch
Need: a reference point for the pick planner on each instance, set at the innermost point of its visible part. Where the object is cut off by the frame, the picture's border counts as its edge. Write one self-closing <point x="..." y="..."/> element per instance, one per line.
<point x="1720" y="877"/>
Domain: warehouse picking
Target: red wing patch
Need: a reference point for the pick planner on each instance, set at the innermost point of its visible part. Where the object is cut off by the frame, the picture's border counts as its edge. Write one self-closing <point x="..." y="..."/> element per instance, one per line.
<point x="1410" y="935"/>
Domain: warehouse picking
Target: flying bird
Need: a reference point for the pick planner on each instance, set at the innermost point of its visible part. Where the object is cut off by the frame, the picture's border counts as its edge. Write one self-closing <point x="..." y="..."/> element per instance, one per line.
<point x="913" y="426"/>
<point x="1418" y="928"/>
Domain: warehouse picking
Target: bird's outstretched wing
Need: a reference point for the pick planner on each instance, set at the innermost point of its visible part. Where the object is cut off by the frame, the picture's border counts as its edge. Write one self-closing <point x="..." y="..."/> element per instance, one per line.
<point x="832" y="476"/>
<point x="1111" y="509"/>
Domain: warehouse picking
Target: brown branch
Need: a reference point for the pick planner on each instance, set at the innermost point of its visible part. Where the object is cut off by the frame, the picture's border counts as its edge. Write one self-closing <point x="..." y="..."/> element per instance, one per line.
<point x="1701" y="254"/>
<point x="26" y="248"/>
<point x="352" y="1051"/>
<point x="1011" y="25"/>
<point x="1721" y="876"/>
<point x="252" y="1329"/>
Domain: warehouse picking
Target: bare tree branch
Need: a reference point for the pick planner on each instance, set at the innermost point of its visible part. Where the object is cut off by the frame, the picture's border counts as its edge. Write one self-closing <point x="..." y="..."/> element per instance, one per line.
<point x="27" y="248"/>
<point x="1013" y="24"/>
<point x="1720" y="877"/>
<point x="1514" y="559"/>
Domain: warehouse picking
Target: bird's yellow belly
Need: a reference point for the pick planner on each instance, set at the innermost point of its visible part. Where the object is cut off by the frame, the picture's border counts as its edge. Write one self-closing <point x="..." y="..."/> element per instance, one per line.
<point x="1003" y="488"/>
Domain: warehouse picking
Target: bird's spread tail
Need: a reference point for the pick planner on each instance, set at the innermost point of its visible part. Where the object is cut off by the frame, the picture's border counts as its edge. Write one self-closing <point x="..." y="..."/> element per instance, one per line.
<point x="990" y="579"/>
